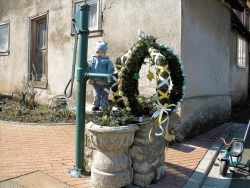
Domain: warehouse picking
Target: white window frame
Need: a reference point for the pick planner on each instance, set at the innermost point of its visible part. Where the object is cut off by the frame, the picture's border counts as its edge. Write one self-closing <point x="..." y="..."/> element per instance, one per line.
<point x="241" y="52"/>
<point x="4" y="38"/>
<point x="76" y="7"/>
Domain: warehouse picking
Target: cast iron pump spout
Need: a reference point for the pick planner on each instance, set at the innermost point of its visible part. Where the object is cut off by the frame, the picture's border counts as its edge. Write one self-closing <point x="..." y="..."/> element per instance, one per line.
<point x="109" y="77"/>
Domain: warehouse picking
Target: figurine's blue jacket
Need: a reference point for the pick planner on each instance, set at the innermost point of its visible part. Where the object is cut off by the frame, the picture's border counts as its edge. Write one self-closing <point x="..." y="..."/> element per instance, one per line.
<point x="100" y="65"/>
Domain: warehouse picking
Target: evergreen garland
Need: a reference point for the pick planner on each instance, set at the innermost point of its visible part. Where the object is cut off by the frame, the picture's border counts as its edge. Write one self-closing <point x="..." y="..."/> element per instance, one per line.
<point x="127" y="67"/>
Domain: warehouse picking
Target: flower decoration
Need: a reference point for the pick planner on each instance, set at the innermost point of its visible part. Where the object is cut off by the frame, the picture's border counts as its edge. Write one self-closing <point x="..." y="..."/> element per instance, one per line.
<point x="113" y="116"/>
<point x="168" y="70"/>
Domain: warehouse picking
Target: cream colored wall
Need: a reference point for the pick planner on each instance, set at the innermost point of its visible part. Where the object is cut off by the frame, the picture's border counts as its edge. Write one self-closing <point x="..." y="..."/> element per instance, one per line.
<point x="121" y="22"/>
<point x="208" y="54"/>
<point x="14" y="67"/>
<point x="238" y="77"/>
<point x="158" y="18"/>
<point x="206" y="47"/>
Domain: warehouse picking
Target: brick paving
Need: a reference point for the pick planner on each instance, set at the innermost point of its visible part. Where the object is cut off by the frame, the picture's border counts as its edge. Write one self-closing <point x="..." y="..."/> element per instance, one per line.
<point x="26" y="148"/>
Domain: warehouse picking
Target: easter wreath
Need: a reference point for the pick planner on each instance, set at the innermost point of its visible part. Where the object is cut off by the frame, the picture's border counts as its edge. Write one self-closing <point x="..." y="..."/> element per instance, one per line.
<point x="168" y="69"/>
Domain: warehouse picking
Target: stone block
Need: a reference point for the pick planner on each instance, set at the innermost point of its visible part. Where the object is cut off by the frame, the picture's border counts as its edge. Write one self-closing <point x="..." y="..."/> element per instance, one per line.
<point x="160" y="172"/>
<point x="142" y="139"/>
<point x="141" y="153"/>
<point x="162" y="158"/>
<point x="146" y="166"/>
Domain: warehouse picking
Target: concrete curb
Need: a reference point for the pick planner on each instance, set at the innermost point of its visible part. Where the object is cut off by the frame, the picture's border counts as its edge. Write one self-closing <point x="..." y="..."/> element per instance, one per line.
<point x="214" y="179"/>
<point x="197" y="178"/>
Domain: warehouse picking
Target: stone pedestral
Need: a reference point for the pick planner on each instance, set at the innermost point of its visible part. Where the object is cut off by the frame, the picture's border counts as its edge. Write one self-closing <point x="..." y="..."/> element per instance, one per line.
<point x="148" y="158"/>
<point x="111" y="167"/>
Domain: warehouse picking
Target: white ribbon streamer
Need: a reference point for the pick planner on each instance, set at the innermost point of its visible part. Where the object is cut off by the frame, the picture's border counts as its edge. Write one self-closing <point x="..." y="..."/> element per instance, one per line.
<point x="114" y="78"/>
<point x="122" y="61"/>
<point x="157" y="55"/>
<point x="162" y="131"/>
<point x="108" y="91"/>
<point x="164" y="81"/>
<point x="160" y="110"/>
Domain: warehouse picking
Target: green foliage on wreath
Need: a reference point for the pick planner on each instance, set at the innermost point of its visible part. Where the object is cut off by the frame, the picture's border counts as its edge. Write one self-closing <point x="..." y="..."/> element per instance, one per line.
<point x="127" y="67"/>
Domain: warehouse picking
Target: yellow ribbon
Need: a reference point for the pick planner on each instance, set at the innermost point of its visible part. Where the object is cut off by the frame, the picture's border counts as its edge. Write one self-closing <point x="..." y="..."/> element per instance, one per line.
<point x="165" y="68"/>
<point x="117" y="82"/>
<point x="119" y="66"/>
<point x="112" y="93"/>
<point x="150" y="132"/>
<point x="163" y="95"/>
<point x="164" y="108"/>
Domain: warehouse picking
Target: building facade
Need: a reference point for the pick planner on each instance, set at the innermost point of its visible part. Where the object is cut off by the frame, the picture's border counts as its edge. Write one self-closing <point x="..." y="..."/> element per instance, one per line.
<point x="211" y="37"/>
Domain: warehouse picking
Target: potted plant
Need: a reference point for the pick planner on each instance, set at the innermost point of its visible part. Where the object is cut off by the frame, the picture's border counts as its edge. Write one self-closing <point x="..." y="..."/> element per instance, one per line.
<point x="111" y="133"/>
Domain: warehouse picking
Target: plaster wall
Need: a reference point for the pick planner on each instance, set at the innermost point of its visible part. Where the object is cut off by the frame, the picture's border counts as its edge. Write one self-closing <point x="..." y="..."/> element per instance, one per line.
<point x="205" y="53"/>
<point x="206" y="47"/>
<point x="123" y="19"/>
<point x="14" y="67"/>
<point x="198" y="115"/>
<point x="238" y="76"/>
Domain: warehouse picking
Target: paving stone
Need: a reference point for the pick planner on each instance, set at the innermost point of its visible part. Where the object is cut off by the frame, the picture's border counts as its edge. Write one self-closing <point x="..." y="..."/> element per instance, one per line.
<point x="25" y="148"/>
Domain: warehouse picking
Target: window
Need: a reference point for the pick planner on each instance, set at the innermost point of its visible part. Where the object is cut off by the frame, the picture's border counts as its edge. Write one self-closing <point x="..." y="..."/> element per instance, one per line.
<point x="93" y="13"/>
<point x="4" y="38"/>
<point x="241" y="53"/>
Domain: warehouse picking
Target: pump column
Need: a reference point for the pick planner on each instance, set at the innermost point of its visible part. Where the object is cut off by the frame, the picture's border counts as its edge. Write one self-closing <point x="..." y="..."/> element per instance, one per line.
<point x="81" y="21"/>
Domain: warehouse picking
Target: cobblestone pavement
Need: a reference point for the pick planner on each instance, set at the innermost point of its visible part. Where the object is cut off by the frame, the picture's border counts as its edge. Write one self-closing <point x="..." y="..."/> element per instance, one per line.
<point x="26" y="148"/>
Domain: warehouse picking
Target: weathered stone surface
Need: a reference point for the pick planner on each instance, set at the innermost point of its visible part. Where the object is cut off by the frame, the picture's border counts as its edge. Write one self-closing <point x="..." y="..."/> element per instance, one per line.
<point x="88" y="163"/>
<point x="111" y="180"/>
<point x="143" y="179"/>
<point x="87" y="140"/>
<point x="107" y="138"/>
<point x="185" y="125"/>
<point x="88" y="152"/>
<point x="142" y="153"/>
<point x="148" y="158"/>
<point x="160" y="172"/>
<point x="142" y="138"/>
<point x="111" y="166"/>
<point x="146" y="166"/>
<point x="162" y="158"/>
<point x="111" y="161"/>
